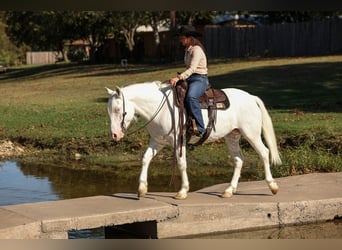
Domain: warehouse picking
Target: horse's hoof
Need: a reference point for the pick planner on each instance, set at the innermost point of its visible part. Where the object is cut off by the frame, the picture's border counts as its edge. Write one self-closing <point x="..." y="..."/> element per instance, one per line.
<point x="180" y="196"/>
<point x="273" y="187"/>
<point x="142" y="193"/>
<point x="227" y="195"/>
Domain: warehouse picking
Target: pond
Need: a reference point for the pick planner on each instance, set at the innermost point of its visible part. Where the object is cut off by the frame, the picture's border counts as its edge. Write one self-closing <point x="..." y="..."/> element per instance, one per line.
<point x="27" y="183"/>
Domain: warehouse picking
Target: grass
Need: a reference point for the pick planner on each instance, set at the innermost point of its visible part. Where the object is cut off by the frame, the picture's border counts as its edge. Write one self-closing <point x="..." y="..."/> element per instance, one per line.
<point x="61" y="109"/>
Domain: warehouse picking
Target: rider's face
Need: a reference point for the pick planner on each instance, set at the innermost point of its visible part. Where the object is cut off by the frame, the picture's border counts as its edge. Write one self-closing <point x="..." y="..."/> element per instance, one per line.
<point x="185" y="40"/>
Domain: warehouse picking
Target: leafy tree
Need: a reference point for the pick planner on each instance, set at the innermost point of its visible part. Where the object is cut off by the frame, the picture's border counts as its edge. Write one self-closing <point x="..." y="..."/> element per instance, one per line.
<point x="44" y="30"/>
<point x="127" y="22"/>
<point x="295" y="16"/>
<point x="49" y="30"/>
<point x="9" y="53"/>
<point x="156" y="18"/>
<point x="92" y="26"/>
<point x="195" y="17"/>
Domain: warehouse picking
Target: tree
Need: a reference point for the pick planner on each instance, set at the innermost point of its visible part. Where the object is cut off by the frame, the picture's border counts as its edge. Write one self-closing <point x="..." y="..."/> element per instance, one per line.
<point x="92" y="26"/>
<point x="295" y="16"/>
<point x="9" y="53"/>
<point x="127" y="22"/>
<point x="45" y="30"/>
<point x="49" y="30"/>
<point x="155" y="19"/>
<point x="195" y="17"/>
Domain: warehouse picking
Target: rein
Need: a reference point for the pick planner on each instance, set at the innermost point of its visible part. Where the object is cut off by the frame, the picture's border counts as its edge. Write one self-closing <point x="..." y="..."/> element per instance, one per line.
<point x="172" y="179"/>
<point x="124" y="113"/>
<point x="161" y="104"/>
<point x="123" y="125"/>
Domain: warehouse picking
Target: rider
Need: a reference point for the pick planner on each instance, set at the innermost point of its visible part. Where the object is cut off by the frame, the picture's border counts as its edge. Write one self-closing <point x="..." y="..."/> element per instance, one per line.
<point x="196" y="74"/>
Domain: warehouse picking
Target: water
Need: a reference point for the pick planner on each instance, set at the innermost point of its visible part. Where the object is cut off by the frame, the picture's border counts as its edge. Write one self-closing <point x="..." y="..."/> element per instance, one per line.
<point x="17" y="187"/>
<point x="27" y="183"/>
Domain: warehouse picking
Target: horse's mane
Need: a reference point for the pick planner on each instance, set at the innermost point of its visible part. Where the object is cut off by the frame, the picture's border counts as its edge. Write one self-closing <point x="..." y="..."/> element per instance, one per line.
<point x="157" y="85"/>
<point x="162" y="85"/>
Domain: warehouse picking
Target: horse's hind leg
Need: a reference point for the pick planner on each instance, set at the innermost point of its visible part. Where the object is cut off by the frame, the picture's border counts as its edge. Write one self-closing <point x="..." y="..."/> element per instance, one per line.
<point x="232" y="141"/>
<point x="152" y="150"/>
<point x="263" y="153"/>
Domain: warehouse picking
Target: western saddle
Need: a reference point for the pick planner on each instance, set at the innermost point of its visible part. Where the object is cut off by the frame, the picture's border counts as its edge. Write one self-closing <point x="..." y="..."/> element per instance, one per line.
<point x="212" y="100"/>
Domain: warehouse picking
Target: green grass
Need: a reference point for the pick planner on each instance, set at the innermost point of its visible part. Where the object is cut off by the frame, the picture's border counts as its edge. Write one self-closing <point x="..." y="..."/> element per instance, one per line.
<point x="61" y="109"/>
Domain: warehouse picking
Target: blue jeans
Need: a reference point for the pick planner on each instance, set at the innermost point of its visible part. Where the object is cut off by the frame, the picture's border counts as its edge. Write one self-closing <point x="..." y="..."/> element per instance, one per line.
<point x="197" y="86"/>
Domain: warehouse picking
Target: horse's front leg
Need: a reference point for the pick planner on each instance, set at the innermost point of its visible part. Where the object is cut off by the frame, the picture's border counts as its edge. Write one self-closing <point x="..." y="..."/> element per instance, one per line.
<point x="182" y="165"/>
<point x="152" y="150"/>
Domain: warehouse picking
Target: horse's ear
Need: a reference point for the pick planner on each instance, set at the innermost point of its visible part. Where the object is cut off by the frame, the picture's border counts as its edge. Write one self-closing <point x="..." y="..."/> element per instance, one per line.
<point x="118" y="90"/>
<point x="110" y="92"/>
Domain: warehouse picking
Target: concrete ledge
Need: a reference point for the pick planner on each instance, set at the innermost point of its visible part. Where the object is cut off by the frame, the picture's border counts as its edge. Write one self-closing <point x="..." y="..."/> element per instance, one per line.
<point x="300" y="200"/>
<point x="301" y="212"/>
<point x="25" y="231"/>
<point x="55" y="218"/>
<point x="203" y="219"/>
<point x="16" y="226"/>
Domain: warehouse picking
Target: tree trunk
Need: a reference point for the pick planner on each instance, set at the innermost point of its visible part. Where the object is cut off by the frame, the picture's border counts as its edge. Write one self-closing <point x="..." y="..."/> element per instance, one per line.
<point x="156" y="35"/>
<point x="63" y="52"/>
<point x="65" y="55"/>
<point x="92" y="43"/>
<point x="129" y="35"/>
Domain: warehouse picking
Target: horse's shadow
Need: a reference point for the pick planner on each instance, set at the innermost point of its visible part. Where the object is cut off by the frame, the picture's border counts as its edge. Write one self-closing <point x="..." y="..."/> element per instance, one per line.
<point x="127" y="196"/>
<point x="134" y="196"/>
<point x="218" y="194"/>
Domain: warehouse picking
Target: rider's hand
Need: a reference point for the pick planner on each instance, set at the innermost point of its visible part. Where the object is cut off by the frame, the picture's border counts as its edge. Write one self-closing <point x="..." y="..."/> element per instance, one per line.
<point x="173" y="81"/>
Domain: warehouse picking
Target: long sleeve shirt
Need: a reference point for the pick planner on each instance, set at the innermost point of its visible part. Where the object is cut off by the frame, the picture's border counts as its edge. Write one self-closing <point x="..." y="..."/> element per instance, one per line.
<point x="195" y="62"/>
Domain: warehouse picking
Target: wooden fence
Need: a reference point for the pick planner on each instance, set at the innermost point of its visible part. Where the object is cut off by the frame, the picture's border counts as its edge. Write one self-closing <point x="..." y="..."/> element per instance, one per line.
<point x="276" y="40"/>
<point x="41" y="57"/>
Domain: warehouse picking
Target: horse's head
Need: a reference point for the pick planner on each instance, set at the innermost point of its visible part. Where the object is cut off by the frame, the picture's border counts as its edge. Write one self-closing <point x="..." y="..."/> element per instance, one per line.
<point x="120" y="113"/>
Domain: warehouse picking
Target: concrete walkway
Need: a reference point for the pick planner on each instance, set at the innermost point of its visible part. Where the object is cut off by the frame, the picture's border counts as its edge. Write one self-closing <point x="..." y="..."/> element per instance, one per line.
<point x="301" y="199"/>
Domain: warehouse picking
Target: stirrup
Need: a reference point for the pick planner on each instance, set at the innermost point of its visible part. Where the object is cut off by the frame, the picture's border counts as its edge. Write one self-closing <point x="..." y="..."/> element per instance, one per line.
<point x="194" y="129"/>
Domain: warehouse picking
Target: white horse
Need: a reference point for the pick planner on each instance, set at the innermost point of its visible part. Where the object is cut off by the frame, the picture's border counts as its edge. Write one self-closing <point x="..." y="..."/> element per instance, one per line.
<point x="154" y="101"/>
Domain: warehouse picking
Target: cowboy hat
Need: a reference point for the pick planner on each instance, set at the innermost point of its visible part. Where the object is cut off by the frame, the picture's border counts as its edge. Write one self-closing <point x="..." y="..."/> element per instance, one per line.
<point x="188" y="30"/>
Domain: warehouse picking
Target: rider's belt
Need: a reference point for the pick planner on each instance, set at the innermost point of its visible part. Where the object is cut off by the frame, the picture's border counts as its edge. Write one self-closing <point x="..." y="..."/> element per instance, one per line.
<point x="196" y="74"/>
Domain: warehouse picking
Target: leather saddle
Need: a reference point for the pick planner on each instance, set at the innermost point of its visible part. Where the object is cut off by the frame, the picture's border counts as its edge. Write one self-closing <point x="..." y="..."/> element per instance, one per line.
<point x="212" y="100"/>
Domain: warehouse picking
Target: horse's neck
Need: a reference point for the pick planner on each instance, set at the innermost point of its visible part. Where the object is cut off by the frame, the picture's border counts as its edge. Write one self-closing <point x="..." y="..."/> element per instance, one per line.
<point x="146" y="98"/>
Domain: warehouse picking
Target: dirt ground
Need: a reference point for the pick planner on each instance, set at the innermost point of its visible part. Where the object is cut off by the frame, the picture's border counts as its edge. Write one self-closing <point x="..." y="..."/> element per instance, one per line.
<point x="9" y="149"/>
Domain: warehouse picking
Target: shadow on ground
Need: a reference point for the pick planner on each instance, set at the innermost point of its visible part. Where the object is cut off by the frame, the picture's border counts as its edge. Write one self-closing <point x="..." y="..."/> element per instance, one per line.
<point x="308" y="86"/>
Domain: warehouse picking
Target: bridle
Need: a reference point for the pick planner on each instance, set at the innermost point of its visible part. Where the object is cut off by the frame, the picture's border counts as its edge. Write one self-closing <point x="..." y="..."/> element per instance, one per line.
<point x="124" y="113"/>
<point x="124" y="127"/>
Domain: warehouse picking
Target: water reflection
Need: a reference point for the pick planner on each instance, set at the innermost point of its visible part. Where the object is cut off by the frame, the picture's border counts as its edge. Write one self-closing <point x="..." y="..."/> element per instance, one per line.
<point x="71" y="183"/>
<point x="42" y="181"/>
<point x="59" y="182"/>
<point x="17" y="187"/>
<point x="66" y="182"/>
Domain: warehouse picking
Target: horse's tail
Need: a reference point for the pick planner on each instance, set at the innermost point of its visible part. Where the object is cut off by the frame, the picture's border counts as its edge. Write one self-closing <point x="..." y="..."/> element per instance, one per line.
<point x="268" y="132"/>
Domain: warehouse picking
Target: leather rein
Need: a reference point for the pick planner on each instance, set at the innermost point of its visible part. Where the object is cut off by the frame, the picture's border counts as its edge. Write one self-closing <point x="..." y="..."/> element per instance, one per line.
<point x="124" y="113"/>
<point x="163" y="101"/>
